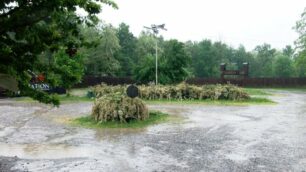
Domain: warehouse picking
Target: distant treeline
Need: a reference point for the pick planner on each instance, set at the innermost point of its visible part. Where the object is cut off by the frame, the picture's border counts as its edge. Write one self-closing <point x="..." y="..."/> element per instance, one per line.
<point x="118" y="53"/>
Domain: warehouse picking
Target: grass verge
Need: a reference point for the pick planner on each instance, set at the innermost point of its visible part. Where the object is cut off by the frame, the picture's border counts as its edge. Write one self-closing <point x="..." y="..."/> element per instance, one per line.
<point x="256" y="92"/>
<point x="89" y="122"/>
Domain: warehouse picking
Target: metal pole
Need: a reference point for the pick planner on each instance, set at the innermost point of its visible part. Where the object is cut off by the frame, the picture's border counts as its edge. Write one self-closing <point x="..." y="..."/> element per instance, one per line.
<point x="156" y="70"/>
<point x="155" y="29"/>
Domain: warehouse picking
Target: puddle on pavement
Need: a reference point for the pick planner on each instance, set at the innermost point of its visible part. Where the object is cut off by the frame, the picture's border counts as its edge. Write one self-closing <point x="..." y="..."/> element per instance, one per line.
<point x="104" y="138"/>
<point x="6" y="131"/>
<point x="40" y="151"/>
<point x="115" y="133"/>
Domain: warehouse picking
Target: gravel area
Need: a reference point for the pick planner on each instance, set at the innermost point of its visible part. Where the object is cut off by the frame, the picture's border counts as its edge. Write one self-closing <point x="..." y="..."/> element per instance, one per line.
<point x="35" y="137"/>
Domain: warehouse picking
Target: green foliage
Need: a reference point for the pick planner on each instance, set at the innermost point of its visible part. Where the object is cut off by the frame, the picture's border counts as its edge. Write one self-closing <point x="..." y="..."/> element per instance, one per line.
<point x="145" y="47"/>
<point x="69" y="71"/>
<point x="207" y="56"/>
<point x="181" y="91"/>
<point x="300" y="28"/>
<point x="175" y="62"/>
<point x="144" y="61"/>
<point x="172" y="64"/>
<point x="264" y="58"/>
<point x="204" y="62"/>
<point x="283" y="66"/>
<point x="288" y="51"/>
<point x="116" y="107"/>
<point x="101" y="59"/>
<point x="127" y="53"/>
<point x="145" y="71"/>
<point x="89" y="122"/>
<point x="241" y="56"/>
<point x="29" y="28"/>
<point x="256" y="92"/>
<point x="300" y="61"/>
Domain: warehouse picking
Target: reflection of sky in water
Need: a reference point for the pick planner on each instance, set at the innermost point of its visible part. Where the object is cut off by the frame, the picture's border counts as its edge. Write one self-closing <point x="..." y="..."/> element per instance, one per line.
<point x="41" y="151"/>
<point x="116" y="133"/>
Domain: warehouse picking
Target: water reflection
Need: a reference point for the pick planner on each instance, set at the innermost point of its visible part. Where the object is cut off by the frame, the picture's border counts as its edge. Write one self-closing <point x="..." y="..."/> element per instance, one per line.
<point x="114" y="134"/>
<point x="45" y="151"/>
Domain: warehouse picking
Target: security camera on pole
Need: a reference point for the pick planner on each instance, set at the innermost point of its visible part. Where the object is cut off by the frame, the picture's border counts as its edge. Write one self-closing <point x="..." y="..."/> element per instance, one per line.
<point x="155" y="29"/>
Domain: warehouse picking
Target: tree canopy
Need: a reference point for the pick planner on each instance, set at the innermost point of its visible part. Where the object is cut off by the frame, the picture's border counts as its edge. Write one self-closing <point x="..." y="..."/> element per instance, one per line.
<point x="300" y="60"/>
<point x="29" y="28"/>
<point x="100" y="58"/>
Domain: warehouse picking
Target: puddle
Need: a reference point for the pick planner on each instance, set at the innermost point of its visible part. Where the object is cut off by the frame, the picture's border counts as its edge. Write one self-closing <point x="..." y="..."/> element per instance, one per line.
<point x="116" y="133"/>
<point x="7" y="131"/>
<point x="237" y="157"/>
<point x="40" y="151"/>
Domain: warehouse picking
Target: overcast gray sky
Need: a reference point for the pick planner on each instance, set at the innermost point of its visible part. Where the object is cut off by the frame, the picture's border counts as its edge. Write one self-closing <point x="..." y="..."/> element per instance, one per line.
<point x="247" y="22"/>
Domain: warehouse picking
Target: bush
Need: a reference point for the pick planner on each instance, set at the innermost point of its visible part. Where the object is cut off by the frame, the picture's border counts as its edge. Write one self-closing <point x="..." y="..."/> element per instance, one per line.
<point x="181" y="91"/>
<point x="117" y="107"/>
<point x="105" y="89"/>
<point x="90" y="94"/>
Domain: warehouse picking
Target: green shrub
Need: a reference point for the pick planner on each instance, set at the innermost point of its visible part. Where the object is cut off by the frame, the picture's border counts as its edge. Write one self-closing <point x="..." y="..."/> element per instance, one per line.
<point x="117" y="107"/>
<point x="181" y="91"/>
<point x="90" y="94"/>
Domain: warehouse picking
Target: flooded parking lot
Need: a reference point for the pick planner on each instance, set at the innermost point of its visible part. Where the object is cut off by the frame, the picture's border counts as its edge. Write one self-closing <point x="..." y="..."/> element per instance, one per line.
<point x="35" y="137"/>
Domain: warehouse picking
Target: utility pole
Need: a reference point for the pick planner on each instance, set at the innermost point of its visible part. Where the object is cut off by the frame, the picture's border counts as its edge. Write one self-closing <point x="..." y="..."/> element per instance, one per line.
<point x="155" y="29"/>
<point x="156" y="62"/>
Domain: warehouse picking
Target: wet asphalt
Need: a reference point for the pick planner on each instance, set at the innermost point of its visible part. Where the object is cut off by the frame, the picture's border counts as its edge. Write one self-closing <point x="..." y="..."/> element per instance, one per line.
<point x="36" y="137"/>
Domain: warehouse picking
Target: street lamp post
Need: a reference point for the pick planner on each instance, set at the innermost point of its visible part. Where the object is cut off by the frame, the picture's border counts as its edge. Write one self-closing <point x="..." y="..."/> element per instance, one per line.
<point x="155" y="29"/>
<point x="156" y="62"/>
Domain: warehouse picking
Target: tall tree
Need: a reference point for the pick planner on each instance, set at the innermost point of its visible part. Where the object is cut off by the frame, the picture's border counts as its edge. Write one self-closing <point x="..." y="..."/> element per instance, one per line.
<point x="28" y="28"/>
<point x="144" y="64"/>
<point x="300" y="60"/>
<point x="176" y="62"/>
<point x="265" y="57"/>
<point x="203" y="60"/>
<point x="283" y="66"/>
<point x="172" y="64"/>
<point x="300" y="28"/>
<point x="145" y="46"/>
<point x="144" y="72"/>
<point x="101" y="59"/>
<point x="300" y="63"/>
<point x="69" y="70"/>
<point x="288" y="51"/>
<point x="207" y="56"/>
<point x="126" y="55"/>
